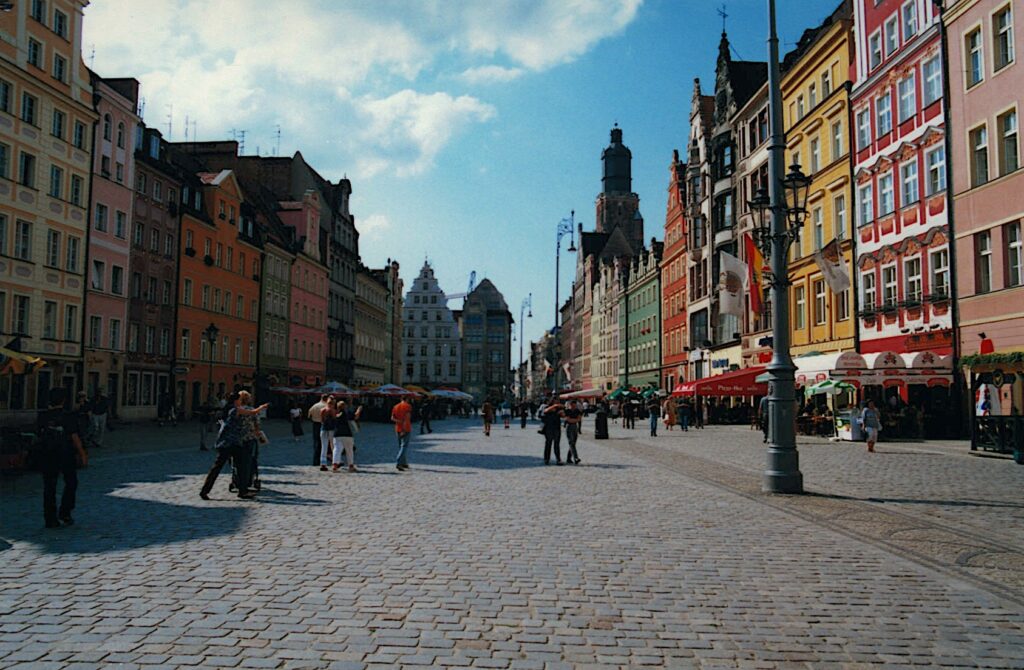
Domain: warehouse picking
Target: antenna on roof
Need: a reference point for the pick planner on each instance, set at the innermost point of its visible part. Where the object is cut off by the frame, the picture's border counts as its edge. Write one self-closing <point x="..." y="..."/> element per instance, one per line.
<point x="142" y="107"/>
<point x="186" y="127"/>
<point x="92" y="56"/>
<point x="239" y="136"/>
<point x="170" y="121"/>
<point x="277" y="144"/>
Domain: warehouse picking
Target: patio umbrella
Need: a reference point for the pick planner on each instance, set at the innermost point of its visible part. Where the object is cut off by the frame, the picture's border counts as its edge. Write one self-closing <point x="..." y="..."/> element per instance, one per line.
<point x="829" y="387"/>
<point x="334" y="388"/>
<point x="391" y="390"/>
<point x="18" y="363"/>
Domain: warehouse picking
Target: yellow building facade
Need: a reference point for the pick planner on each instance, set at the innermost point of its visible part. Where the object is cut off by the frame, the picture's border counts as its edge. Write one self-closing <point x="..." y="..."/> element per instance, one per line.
<point x="816" y="109"/>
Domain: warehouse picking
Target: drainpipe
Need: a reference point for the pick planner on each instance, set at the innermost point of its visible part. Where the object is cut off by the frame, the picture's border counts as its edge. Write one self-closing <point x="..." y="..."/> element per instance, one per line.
<point x="88" y="236"/>
<point x="851" y="213"/>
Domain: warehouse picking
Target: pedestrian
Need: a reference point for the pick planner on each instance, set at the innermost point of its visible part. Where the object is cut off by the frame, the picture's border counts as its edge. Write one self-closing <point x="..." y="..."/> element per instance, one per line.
<point x="314" y="416"/>
<point x="653" y="414"/>
<point x="628" y="415"/>
<point x="401" y="416"/>
<point x="524" y="414"/>
<point x="506" y="413"/>
<point x="229" y="445"/>
<point x="328" y="423"/>
<point x="425" y="411"/>
<point x="872" y="422"/>
<point x="344" y="438"/>
<point x="669" y="414"/>
<point x="683" y="415"/>
<point x="246" y="464"/>
<point x="762" y="417"/>
<point x="613" y="411"/>
<point x="698" y="414"/>
<point x="573" y="420"/>
<point x="100" y="407"/>
<point x="488" y="414"/>
<point x="58" y="453"/>
<point x="295" y="414"/>
<point x="83" y="415"/>
<point x="551" y="419"/>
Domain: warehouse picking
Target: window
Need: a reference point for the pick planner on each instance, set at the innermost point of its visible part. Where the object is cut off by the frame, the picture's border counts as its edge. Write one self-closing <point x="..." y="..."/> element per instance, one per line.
<point x="60" y="67"/>
<point x="886" y="203"/>
<point x="150" y="337"/>
<point x="206" y="296"/>
<point x="1009" y="155"/>
<point x="936" y="162"/>
<point x="979" y="155"/>
<point x="1002" y="37"/>
<point x="120" y="134"/>
<point x="95" y="331"/>
<point x="812" y="95"/>
<point x="186" y="343"/>
<point x="108" y="127"/>
<point x="889" y="285"/>
<point x="1014" y="255"/>
<point x="188" y="239"/>
<point x="819" y="228"/>
<point x="165" y="341"/>
<point x="29" y="106"/>
<point x="120" y="224"/>
<point x="98" y="273"/>
<point x="5" y="153"/>
<point x="27" y="170"/>
<point x="983" y="251"/>
<point x="119" y="173"/>
<point x="883" y="112"/>
<point x="912" y="279"/>
<point x="154" y="240"/>
<point x="837" y="140"/>
<point x="116" y="280"/>
<point x="57" y="126"/>
<point x="138" y="234"/>
<point x="72" y="255"/>
<point x="839" y="215"/>
<point x="5" y="96"/>
<point x="52" y="248"/>
<point x="49" y="320"/>
<point x="115" y="334"/>
<point x="820" y="306"/>
<point x="909" y="20"/>
<point x="136" y="285"/>
<point x="158" y="191"/>
<point x="56" y="182"/>
<point x="35" y="53"/>
<point x="826" y="83"/>
<point x="78" y="138"/>
<point x="169" y="245"/>
<point x="908" y="183"/>
<point x="3" y="250"/>
<point x="77" y="185"/>
<point x="60" y="23"/>
<point x="975" y="58"/>
<point x="908" y="97"/>
<point x="799" y="107"/>
<point x="19" y="317"/>
<point x="800" y="313"/>
<point x="23" y="240"/>
<point x="842" y="301"/>
<point x="187" y="292"/>
<point x="815" y="155"/>
<point x="892" y="37"/>
<point x="165" y="295"/>
<point x="875" y="50"/>
<point x="71" y="322"/>
<point x="931" y="72"/>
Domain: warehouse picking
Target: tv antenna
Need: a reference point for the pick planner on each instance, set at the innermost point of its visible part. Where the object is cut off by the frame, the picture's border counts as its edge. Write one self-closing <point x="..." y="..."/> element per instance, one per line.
<point x="239" y="136"/>
<point x="277" y="145"/>
<point x="170" y="121"/>
<point x="92" y="56"/>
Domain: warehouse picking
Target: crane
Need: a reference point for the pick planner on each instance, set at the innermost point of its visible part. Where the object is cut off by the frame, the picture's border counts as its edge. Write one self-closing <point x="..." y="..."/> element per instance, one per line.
<point x="469" y="289"/>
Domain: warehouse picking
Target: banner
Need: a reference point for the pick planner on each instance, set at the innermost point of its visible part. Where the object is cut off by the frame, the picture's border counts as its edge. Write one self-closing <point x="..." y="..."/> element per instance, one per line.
<point x="732" y="277"/>
<point x="547" y="367"/>
<point x="567" y="368"/>
<point x="755" y="273"/>
<point x="832" y="267"/>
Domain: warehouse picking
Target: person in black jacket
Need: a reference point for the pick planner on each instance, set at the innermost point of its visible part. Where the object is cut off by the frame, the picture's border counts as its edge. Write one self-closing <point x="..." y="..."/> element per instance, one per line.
<point x="552" y="420"/>
<point x="59" y="453"/>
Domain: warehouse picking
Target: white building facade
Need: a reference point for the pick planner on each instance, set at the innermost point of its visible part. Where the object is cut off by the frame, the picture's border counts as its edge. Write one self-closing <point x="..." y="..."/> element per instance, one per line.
<point x="433" y="351"/>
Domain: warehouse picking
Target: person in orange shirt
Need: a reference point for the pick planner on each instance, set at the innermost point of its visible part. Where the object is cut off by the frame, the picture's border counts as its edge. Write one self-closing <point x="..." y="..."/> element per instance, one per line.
<point x="401" y="416"/>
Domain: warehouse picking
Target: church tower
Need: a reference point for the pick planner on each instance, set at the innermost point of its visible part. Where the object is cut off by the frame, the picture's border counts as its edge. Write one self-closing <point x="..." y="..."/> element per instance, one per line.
<point x="617" y="205"/>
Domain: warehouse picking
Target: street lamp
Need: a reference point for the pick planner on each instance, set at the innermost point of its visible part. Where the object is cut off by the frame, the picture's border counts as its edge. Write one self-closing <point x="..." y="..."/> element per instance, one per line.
<point x="565" y="227"/>
<point x="526" y="306"/>
<point x="786" y="202"/>
<point x="211" y="333"/>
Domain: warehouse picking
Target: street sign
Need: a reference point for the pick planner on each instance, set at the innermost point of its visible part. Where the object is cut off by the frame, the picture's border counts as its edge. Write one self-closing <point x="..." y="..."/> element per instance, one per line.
<point x="180" y="370"/>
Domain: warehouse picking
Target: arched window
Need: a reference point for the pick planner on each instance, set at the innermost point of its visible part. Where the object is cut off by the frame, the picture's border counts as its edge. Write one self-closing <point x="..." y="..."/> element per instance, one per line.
<point x="106" y="126"/>
<point x="120" y="135"/>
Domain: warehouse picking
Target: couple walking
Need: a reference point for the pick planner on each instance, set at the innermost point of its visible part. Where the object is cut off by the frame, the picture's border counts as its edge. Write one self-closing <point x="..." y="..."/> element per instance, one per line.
<point x="552" y="417"/>
<point x="237" y="441"/>
<point x="337" y="428"/>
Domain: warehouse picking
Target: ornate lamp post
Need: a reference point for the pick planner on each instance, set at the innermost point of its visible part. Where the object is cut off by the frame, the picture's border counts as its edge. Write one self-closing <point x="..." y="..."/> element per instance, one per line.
<point x="526" y="306"/>
<point x="211" y="333"/>
<point x="786" y="202"/>
<point x="565" y="227"/>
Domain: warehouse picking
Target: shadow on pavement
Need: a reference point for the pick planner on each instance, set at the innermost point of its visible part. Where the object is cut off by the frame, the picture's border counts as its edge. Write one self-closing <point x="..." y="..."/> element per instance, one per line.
<point x="922" y="501"/>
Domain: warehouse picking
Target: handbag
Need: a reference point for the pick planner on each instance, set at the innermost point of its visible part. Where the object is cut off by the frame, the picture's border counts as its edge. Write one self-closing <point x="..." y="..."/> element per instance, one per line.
<point x="262" y="438"/>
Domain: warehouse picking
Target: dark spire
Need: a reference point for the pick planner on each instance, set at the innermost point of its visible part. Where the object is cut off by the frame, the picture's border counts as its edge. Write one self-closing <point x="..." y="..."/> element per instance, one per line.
<point x="617" y="165"/>
<point x="723" y="49"/>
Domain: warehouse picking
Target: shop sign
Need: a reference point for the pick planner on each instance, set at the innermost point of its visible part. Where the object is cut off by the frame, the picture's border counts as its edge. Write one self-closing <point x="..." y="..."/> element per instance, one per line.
<point x="720" y="363"/>
<point x="180" y="370"/>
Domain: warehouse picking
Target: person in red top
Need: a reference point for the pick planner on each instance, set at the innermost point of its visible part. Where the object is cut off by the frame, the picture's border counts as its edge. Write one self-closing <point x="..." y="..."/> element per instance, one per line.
<point x="401" y="416"/>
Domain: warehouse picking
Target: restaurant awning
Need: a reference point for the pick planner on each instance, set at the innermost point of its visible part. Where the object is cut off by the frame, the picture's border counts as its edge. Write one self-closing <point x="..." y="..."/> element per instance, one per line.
<point x="735" y="383"/>
<point x="585" y="393"/>
<point x="18" y="363"/>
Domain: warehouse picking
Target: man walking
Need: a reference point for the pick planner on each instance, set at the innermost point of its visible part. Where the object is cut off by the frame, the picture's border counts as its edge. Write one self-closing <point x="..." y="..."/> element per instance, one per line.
<point x="100" y="407"/>
<point x="551" y="418"/>
<point x="425" y="410"/>
<point x="401" y="416"/>
<point x="762" y="417"/>
<point x="314" y="415"/>
<point x="573" y="420"/>
<point x="653" y="414"/>
<point x="628" y="415"/>
<point x="58" y="455"/>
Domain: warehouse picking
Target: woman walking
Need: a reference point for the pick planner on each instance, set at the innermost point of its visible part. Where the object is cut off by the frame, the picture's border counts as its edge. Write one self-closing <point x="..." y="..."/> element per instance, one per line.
<point x="328" y="422"/>
<point x="230" y="446"/>
<point x="872" y="422"/>
<point x="296" y="416"/>
<point x="669" y="410"/>
<point x="488" y="411"/>
<point x="344" y="438"/>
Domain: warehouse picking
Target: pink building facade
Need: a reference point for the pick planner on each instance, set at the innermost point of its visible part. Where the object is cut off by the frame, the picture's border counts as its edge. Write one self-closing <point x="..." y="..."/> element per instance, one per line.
<point x="307" y="353"/>
<point x="986" y="81"/>
<point x="106" y="292"/>
<point x="903" y="256"/>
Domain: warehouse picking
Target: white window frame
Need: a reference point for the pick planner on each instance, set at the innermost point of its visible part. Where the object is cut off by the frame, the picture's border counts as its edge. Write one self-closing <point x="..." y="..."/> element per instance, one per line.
<point x="1014" y="254"/>
<point x="892" y="34"/>
<point x="974" y="52"/>
<point x="935" y="181"/>
<point x="997" y="37"/>
<point x="869" y="290"/>
<point x="800" y="307"/>
<point x="912" y="278"/>
<point x="931" y="81"/>
<point x="939" y="271"/>
<point x="874" y="50"/>
<point x="837" y="140"/>
<point x="839" y="216"/>
<point x="977" y="147"/>
<point x="890" y="285"/>
<point x="865" y="204"/>
<point x="909" y="189"/>
<point x="863" y="128"/>
<point x="883" y="113"/>
<point x="907" y="90"/>
<point x="984" y="250"/>
<point x="886" y="199"/>
<point x="908" y="14"/>
<point x="820" y="303"/>
<point x="1008" y="146"/>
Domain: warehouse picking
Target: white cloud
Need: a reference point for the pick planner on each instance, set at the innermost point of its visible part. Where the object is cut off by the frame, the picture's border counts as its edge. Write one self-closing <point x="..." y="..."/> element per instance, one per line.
<point x="491" y="74"/>
<point x="374" y="226"/>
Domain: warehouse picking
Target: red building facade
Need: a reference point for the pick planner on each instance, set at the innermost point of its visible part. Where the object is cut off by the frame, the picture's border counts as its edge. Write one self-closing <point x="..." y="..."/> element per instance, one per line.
<point x="673" y="280"/>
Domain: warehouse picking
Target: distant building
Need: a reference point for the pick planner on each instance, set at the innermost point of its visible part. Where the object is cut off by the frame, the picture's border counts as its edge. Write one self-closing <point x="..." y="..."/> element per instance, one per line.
<point x="674" y="343"/>
<point x="486" y="325"/>
<point x="433" y="351"/>
<point x="371" y="329"/>
<point x="640" y="320"/>
<point x="388" y="276"/>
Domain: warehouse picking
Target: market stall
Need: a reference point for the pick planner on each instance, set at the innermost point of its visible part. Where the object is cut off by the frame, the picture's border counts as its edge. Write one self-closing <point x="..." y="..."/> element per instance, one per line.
<point x="729" y="396"/>
<point x="997" y="395"/>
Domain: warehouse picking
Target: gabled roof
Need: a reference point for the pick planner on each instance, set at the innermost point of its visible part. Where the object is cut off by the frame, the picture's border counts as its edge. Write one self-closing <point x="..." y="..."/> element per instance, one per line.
<point x="746" y="77"/>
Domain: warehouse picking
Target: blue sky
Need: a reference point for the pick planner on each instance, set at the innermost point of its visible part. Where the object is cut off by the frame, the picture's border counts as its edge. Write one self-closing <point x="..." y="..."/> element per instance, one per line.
<point x="469" y="128"/>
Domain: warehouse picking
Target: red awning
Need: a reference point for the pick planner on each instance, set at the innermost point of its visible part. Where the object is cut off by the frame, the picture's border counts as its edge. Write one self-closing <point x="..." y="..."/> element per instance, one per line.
<point x="735" y="383"/>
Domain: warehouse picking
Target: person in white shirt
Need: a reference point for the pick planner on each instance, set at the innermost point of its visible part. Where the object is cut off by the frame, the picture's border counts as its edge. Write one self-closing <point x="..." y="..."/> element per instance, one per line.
<point x="314" y="416"/>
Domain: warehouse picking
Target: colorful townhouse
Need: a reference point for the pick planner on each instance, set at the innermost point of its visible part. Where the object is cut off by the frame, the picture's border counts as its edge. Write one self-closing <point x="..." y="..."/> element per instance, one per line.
<point x="816" y="112"/>
<point x="640" y="320"/>
<point x="674" y="343"/>
<point x="46" y="138"/>
<point x="152" y="278"/>
<point x="107" y="282"/>
<point x="900" y="179"/>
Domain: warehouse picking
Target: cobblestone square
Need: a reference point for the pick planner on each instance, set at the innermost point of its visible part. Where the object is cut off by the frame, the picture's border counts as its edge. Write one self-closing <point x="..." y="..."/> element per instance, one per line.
<point x="657" y="552"/>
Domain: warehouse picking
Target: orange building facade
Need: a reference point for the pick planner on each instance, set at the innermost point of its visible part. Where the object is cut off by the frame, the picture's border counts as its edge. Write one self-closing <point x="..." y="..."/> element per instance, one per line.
<point x="673" y="280"/>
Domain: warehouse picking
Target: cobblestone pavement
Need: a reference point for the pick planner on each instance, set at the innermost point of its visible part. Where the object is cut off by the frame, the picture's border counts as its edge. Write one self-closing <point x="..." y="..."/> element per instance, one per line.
<point x="482" y="557"/>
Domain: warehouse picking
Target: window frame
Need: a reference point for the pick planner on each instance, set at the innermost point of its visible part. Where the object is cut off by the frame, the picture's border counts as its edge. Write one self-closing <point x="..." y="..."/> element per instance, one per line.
<point x="1001" y="145"/>
<point x="976" y="149"/>
<point x="997" y="37"/>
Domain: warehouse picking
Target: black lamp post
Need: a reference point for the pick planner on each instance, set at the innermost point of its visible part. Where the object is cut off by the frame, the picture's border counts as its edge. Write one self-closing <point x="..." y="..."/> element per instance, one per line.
<point x="526" y="306"/>
<point x="211" y="333"/>
<point x="565" y="227"/>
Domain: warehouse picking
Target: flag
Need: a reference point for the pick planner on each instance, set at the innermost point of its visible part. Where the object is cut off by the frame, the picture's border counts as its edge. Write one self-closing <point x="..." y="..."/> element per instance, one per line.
<point x="832" y="267"/>
<point x="547" y="367"/>
<point x="755" y="272"/>
<point x="567" y="368"/>
<point x="732" y="277"/>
